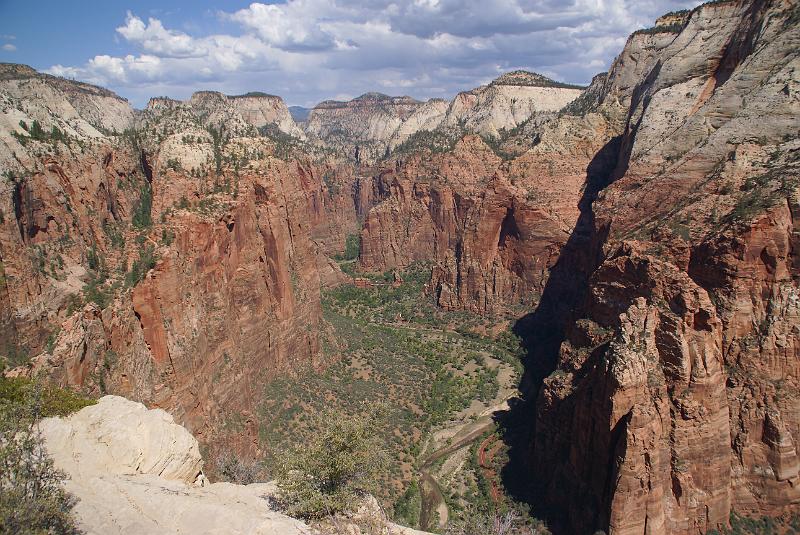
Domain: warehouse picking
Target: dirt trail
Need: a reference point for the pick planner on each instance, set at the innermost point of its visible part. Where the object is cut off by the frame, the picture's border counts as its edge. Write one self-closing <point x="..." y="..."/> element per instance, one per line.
<point x="432" y="498"/>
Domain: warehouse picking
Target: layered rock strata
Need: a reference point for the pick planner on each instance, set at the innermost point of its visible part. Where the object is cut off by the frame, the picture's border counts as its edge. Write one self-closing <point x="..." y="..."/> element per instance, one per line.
<point x="674" y="396"/>
<point x="174" y="260"/>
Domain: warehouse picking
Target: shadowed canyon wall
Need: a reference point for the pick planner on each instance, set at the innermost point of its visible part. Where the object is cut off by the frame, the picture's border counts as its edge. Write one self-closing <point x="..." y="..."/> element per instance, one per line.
<point x="646" y="229"/>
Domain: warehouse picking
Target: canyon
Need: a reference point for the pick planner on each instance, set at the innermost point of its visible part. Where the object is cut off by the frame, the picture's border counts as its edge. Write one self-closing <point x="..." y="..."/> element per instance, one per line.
<point x="640" y="235"/>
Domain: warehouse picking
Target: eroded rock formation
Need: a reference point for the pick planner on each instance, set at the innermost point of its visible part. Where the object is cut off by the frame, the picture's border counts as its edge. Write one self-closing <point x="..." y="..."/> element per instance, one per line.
<point x="369" y="128"/>
<point x="674" y="396"/>
<point x="174" y="259"/>
<point x="648" y="223"/>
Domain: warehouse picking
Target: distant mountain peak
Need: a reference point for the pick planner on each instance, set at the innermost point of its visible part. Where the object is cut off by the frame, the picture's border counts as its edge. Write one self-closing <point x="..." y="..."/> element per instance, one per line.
<point x="527" y="78"/>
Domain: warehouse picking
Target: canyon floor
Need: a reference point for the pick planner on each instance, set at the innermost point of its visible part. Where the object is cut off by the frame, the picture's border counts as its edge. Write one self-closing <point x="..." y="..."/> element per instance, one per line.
<point x="437" y="377"/>
<point x="637" y="241"/>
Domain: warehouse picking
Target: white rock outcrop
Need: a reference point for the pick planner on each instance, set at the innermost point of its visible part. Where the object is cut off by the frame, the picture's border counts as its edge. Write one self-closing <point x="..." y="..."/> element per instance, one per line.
<point x="120" y="437"/>
<point x="136" y="471"/>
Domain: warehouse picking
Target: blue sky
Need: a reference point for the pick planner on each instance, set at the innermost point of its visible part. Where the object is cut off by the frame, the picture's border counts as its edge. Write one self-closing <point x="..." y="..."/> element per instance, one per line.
<point x="310" y="50"/>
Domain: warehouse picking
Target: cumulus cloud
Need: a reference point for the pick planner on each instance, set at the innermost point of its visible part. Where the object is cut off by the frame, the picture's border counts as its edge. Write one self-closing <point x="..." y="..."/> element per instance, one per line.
<point x="308" y="50"/>
<point x="154" y="38"/>
<point x="299" y="25"/>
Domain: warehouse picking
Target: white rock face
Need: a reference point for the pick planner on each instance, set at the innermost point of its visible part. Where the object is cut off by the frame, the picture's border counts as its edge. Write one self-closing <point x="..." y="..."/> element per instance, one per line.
<point x="136" y="472"/>
<point x="79" y="110"/>
<point x="121" y="437"/>
<point x="375" y="122"/>
<point x="267" y="109"/>
<point x="255" y="109"/>
<point x="489" y="109"/>
<point x="427" y="117"/>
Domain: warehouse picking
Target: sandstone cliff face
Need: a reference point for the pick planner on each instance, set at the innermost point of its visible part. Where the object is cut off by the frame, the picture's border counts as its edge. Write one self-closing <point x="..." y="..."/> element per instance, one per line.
<point x="508" y="102"/>
<point x="674" y="395"/>
<point x="175" y="264"/>
<point x="256" y="109"/>
<point x="377" y="124"/>
<point x="492" y="223"/>
<point x="492" y="228"/>
<point x="48" y="221"/>
<point x="366" y="127"/>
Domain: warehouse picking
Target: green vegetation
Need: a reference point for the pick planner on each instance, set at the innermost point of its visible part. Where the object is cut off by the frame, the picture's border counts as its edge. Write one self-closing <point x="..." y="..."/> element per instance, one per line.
<point x="332" y="472"/>
<point x="51" y="340"/>
<point x="742" y="525"/>
<point x="436" y="141"/>
<point x="218" y="139"/>
<point x="760" y="193"/>
<point x="352" y="245"/>
<point x="144" y="263"/>
<point x="96" y="291"/>
<point x="32" y="497"/>
<point x="496" y="144"/>
<point x="13" y="354"/>
<point x="142" y="217"/>
<point x="174" y="165"/>
<point x="666" y="28"/>
<point x="585" y="103"/>
<point x="525" y="78"/>
<point x="677" y="13"/>
<point x="114" y="234"/>
<point x="284" y="143"/>
<point x="167" y="236"/>
<point x="37" y="133"/>
<point x="389" y="342"/>
<point x="254" y="94"/>
<point x="20" y="392"/>
<point x="407" y="506"/>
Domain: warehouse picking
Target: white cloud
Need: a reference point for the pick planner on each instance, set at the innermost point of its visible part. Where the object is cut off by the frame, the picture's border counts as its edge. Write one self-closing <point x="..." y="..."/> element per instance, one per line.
<point x="296" y="25"/>
<point x="8" y="47"/>
<point x="154" y="38"/>
<point x="307" y="50"/>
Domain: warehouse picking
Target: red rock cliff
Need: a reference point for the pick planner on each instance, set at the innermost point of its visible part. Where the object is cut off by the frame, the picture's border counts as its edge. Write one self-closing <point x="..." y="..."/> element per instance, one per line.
<point x="674" y="396"/>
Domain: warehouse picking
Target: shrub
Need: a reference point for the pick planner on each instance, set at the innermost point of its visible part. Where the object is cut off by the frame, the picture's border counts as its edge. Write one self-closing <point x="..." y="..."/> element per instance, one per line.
<point x="509" y="523"/>
<point x="232" y="469"/>
<point x="333" y="472"/>
<point x="436" y="141"/>
<point x="406" y="508"/>
<point x="16" y="392"/>
<point x="140" y="266"/>
<point x="96" y="291"/>
<point x="32" y="497"/>
<point x="174" y="164"/>
<point x="114" y="234"/>
<point x="36" y="131"/>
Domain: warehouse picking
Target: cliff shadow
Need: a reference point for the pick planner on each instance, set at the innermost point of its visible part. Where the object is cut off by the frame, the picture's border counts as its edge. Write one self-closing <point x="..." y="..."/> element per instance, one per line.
<point x="543" y="330"/>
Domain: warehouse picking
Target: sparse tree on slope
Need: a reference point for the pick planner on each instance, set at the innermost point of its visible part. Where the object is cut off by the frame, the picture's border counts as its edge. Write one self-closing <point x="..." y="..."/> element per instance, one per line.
<point x="334" y="471"/>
